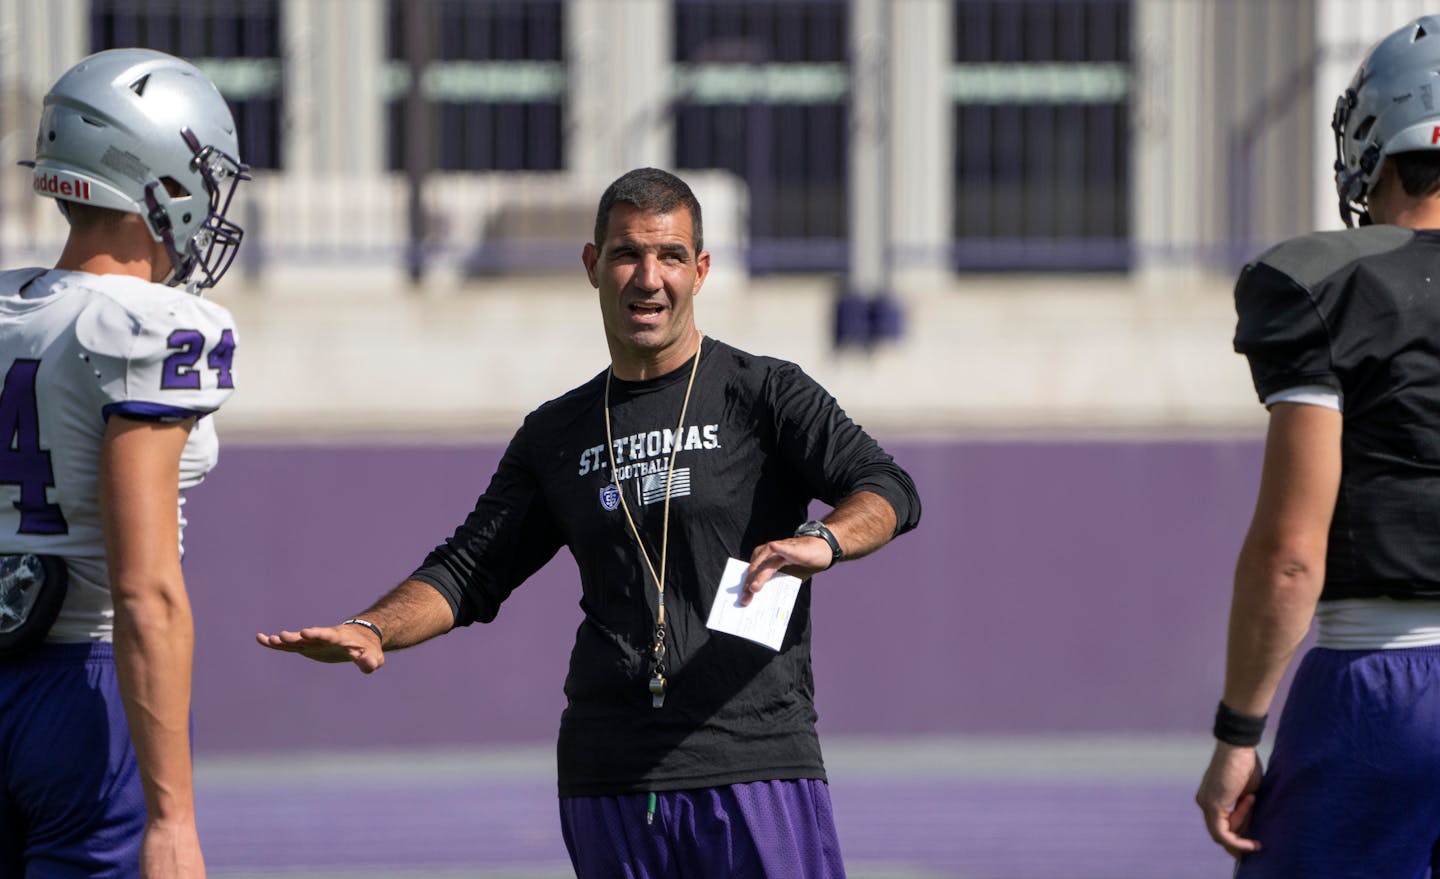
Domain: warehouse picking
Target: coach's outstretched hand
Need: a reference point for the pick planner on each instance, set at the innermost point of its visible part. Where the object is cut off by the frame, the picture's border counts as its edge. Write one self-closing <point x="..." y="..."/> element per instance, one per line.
<point x="410" y="613"/>
<point x="343" y="643"/>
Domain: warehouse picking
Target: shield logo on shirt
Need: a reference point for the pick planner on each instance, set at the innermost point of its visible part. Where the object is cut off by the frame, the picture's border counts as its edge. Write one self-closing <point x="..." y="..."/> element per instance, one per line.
<point x="610" y="497"/>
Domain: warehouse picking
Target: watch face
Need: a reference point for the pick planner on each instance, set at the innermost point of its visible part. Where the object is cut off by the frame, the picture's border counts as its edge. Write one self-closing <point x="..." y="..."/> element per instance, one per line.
<point x="818" y="529"/>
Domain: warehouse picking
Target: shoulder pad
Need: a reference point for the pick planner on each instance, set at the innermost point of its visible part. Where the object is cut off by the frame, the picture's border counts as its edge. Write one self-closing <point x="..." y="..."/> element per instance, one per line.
<point x="1312" y="258"/>
<point x="158" y="353"/>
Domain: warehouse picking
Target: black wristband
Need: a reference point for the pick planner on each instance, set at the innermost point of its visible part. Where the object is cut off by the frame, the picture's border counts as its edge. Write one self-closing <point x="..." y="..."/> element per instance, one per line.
<point x="1234" y="728"/>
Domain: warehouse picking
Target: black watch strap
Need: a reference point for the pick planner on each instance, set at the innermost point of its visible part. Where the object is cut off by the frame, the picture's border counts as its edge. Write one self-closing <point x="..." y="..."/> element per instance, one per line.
<point x="815" y="528"/>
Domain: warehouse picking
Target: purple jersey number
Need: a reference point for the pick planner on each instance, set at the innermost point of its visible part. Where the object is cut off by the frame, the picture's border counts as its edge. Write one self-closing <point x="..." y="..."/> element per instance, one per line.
<point x="22" y="461"/>
<point x="179" y="372"/>
<point x="220" y="359"/>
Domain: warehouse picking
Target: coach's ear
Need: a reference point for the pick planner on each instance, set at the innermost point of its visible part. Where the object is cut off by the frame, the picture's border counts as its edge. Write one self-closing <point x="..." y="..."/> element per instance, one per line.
<point x="702" y="271"/>
<point x="590" y="256"/>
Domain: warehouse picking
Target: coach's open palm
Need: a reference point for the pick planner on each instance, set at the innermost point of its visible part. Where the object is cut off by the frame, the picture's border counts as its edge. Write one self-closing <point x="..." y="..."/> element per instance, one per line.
<point x="330" y="644"/>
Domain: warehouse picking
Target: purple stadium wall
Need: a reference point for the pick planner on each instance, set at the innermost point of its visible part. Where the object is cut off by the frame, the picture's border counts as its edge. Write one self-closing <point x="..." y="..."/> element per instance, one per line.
<point x="1050" y="587"/>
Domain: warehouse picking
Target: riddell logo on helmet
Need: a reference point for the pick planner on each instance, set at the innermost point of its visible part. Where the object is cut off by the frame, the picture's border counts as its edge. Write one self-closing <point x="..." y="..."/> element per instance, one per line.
<point x="1435" y="135"/>
<point x="52" y="184"/>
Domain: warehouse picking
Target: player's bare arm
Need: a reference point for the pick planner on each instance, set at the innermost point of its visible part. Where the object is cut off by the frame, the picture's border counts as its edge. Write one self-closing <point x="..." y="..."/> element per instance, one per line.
<point x="861" y="524"/>
<point x="405" y="616"/>
<point x="1281" y="566"/>
<point x="154" y="633"/>
<point x="1278" y="580"/>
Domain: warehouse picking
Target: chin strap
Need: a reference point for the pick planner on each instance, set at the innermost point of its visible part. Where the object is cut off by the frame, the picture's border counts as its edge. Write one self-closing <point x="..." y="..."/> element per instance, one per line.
<point x="160" y="221"/>
<point x="1354" y="217"/>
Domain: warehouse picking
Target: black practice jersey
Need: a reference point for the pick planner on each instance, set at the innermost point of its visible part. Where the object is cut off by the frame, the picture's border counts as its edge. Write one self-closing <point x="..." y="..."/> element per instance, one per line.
<point x="1359" y="311"/>
<point x="760" y="440"/>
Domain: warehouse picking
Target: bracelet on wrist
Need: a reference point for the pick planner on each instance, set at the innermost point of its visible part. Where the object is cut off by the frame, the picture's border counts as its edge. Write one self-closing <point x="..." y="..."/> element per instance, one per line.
<point x="356" y="621"/>
<point x="1234" y="728"/>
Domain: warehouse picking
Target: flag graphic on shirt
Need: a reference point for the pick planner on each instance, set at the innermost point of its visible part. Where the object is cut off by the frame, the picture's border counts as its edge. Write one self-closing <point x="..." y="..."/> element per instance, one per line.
<point x="652" y="487"/>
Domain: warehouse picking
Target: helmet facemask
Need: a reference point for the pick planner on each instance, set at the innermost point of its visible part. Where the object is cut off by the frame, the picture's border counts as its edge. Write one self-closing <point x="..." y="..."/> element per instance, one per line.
<point x="213" y="246"/>
<point x="1350" y="183"/>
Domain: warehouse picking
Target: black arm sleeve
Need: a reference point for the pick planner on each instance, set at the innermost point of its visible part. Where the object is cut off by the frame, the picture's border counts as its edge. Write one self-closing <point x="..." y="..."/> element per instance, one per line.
<point x="1281" y="332"/>
<point x="833" y="455"/>
<point x="507" y="537"/>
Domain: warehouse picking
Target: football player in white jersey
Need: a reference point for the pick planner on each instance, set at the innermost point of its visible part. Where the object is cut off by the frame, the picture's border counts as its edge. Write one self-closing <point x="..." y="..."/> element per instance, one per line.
<point x="110" y="363"/>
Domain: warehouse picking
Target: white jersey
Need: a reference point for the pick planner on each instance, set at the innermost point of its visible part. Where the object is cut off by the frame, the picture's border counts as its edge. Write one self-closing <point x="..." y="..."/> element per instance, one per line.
<point x="76" y="348"/>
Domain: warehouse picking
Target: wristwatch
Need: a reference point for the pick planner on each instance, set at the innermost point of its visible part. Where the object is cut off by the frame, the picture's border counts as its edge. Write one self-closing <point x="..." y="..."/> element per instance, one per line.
<point x="815" y="528"/>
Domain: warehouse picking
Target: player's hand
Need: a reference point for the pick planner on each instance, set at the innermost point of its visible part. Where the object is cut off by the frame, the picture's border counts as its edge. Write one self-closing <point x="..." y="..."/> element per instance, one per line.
<point x="1227" y="796"/>
<point x="797" y="556"/>
<point x="351" y="643"/>
<point x="171" y="850"/>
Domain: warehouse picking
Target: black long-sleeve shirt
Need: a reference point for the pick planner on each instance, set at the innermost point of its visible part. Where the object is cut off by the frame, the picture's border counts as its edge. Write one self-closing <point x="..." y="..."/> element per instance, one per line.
<point x="761" y="439"/>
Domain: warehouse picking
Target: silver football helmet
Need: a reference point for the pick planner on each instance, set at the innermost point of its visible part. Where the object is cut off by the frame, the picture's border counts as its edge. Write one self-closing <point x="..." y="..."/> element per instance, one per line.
<point x="1390" y="107"/>
<point x="144" y="132"/>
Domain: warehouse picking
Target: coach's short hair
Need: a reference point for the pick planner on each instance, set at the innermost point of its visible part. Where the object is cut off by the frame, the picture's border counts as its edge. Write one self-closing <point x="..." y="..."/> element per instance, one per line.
<point x="652" y="191"/>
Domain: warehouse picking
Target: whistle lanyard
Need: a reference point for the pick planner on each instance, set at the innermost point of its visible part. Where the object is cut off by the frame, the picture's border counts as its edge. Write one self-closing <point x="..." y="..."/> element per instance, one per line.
<point x="657" y="650"/>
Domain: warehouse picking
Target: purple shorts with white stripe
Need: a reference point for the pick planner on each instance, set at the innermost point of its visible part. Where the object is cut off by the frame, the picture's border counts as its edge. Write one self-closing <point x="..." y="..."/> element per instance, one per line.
<point x="71" y="804"/>
<point x="741" y="831"/>
<point x="1353" y="786"/>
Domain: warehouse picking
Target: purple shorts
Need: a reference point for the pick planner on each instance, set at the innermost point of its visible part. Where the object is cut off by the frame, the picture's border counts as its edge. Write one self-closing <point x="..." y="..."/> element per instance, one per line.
<point x="780" y="829"/>
<point x="1353" y="786"/>
<point x="71" y="804"/>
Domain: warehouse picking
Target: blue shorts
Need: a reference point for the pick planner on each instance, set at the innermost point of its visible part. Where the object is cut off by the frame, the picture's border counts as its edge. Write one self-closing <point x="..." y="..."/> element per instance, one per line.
<point x="1353" y="786"/>
<point x="71" y="805"/>
<point x="741" y="831"/>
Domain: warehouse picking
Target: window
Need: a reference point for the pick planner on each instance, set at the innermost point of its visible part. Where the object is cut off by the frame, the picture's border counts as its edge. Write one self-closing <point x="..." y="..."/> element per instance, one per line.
<point x="236" y="43"/>
<point x="1041" y="91"/>
<point x="761" y="91"/>
<point x="496" y="79"/>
